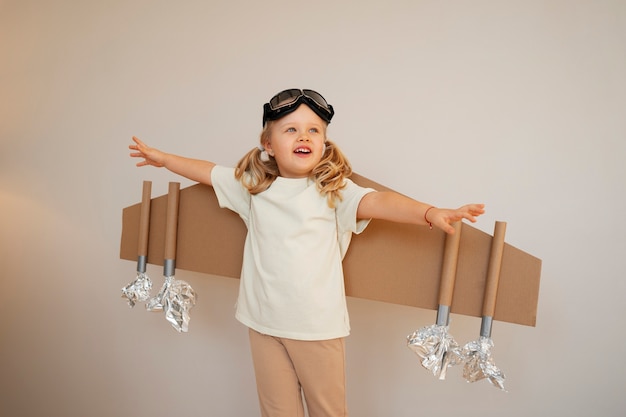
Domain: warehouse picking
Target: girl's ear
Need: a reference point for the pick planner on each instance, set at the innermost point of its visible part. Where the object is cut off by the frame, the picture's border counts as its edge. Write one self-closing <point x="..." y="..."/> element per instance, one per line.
<point x="268" y="147"/>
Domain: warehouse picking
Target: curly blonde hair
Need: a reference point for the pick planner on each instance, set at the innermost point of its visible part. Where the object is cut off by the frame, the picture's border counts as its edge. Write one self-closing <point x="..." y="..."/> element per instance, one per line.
<point x="257" y="174"/>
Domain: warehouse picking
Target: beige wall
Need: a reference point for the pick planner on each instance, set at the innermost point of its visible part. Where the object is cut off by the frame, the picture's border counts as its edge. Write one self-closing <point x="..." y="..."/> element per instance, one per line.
<point x="518" y="104"/>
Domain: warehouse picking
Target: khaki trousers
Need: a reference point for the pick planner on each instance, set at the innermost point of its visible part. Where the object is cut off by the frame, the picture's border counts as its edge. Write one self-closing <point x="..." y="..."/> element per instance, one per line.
<point x="285" y="369"/>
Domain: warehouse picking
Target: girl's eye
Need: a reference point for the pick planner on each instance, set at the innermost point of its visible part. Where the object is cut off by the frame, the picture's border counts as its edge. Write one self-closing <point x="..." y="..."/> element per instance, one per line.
<point x="314" y="130"/>
<point x="291" y="129"/>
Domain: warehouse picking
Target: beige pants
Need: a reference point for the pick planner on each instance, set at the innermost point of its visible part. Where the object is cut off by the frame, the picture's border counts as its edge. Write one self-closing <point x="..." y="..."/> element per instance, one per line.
<point x="286" y="368"/>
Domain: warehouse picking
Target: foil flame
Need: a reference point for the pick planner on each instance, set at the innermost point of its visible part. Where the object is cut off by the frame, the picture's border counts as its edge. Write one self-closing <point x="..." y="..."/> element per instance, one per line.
<point x="479" y="364"/>
<point x="175" y="298"/>
<point x="137" y="291"/>
<point x="437" y="349"/>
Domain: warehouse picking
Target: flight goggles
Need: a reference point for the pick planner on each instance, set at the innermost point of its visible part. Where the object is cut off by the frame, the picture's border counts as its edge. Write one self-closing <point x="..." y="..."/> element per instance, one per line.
<point x="287" y="101"/>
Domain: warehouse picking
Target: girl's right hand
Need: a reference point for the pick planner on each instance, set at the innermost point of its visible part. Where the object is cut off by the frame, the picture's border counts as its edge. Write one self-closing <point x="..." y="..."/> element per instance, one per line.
<point x="150" y="155"/>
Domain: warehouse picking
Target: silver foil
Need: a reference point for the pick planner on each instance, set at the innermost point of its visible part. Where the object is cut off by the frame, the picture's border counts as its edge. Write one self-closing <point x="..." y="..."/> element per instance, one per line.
<point x="156" y="302"/>
<point x="138" y="290"/>
<point x="479" y="364"/>
<point x="175" y="298"/>
<point x="436" y="347"/>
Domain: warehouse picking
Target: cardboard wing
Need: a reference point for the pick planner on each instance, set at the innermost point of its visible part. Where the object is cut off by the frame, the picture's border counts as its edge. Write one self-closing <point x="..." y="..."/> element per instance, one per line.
<point x="389" y="262"/>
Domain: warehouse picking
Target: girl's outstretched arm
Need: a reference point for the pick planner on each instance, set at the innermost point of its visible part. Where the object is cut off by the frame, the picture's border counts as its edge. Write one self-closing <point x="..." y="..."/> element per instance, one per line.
<point x="392" y="206"/>
<point x="193" y="169"/>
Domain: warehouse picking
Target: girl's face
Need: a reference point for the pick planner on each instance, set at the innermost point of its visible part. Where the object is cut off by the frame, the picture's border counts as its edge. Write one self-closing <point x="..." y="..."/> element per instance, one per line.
<point x="296" y="142"/>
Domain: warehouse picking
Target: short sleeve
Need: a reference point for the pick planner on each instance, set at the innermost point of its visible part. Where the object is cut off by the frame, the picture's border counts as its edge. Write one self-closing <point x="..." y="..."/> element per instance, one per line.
<point x="230" y="192"/>
<point x="346" y="211"/>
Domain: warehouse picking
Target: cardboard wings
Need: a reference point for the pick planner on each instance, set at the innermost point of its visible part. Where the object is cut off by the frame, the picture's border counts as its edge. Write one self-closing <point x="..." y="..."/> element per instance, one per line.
<point x="389" y="262"/>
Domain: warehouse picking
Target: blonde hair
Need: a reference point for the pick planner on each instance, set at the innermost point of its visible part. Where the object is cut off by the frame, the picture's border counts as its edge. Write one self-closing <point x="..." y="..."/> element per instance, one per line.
<point x="329" y="175"/>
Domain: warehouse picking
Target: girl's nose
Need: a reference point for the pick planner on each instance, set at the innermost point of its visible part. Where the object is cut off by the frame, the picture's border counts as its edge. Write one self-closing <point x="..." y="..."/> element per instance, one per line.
<point x="304" y="137"/>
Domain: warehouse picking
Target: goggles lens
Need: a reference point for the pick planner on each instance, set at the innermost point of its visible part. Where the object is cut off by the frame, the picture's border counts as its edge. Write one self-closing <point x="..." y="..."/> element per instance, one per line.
<point x="287" y="101"/>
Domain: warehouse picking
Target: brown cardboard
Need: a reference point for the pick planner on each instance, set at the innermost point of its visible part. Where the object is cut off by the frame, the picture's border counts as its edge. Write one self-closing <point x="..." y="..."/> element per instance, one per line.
<point x="171" y="221"/>
<point x="144" y="219"/>
<point x="493" y="270"/>
<point x="449" y="265"/>
<point x="389" y="262"/>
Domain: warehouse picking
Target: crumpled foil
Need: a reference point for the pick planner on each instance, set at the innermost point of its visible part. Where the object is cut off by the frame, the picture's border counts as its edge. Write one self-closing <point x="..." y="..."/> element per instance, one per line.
<point x="436" y="347"/>
<point x="479" y="363"/>
<point x="175" y="298"/>
<point x="138" y="290"/>
<point x="156" y="302"/>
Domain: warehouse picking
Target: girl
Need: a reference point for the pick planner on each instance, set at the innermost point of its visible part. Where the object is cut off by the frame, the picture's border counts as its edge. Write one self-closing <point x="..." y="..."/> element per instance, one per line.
<point x="300" y="209"/>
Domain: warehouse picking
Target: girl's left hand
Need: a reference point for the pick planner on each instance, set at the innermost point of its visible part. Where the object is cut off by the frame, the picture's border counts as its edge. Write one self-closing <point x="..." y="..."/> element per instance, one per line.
<point x="443" y="218"/>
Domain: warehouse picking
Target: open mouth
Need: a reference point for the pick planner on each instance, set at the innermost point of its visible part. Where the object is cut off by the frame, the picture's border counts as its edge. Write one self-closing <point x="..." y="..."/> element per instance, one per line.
<point x="302" y="150"/>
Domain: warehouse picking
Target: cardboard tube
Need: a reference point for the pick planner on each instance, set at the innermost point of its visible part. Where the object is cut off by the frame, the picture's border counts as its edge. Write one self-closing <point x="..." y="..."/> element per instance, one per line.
<point x="448" y="270"/>
<point x="171" y="222"/>
<point x="144" y="219"/>
<point x="493" y="271"/>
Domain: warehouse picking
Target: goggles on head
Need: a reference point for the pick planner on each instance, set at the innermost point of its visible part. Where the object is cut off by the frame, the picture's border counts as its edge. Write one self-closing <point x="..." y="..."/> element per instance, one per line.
<point x="287" y="101"/>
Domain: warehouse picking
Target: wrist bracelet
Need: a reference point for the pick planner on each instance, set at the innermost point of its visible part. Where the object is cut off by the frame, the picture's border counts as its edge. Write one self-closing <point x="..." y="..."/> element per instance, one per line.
<point x="430" y="225"/>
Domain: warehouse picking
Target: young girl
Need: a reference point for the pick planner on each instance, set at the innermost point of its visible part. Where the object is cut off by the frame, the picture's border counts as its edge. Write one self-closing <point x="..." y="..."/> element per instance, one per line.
<point x="300" y="209"/>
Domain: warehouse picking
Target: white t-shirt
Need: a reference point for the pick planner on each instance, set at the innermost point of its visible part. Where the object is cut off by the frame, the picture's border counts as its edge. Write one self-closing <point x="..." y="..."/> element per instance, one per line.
<point x="292" y="278"/>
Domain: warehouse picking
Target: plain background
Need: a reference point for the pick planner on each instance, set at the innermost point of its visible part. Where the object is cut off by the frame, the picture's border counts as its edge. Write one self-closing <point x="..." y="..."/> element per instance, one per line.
<point x="517" y="104"/>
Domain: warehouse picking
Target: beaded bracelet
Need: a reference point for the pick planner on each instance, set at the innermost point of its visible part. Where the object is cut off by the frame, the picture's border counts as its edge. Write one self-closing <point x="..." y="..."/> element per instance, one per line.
<point x="430" y="225"/>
